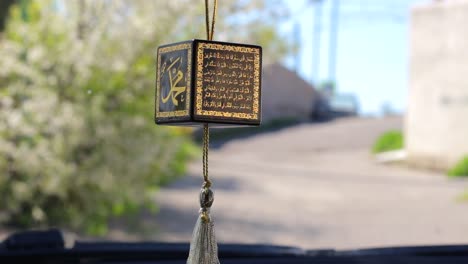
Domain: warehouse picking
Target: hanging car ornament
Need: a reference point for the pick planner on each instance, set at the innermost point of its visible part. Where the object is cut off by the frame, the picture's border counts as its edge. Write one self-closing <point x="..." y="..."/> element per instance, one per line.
<point x="208" y="83"/>
<point x="202" y="81"/>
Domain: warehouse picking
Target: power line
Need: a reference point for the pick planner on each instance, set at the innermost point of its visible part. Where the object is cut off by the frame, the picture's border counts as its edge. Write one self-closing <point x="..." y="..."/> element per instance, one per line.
<point x="334" y="27"/>
<point x="341" y="13"/>
<point x="317" y="32"/>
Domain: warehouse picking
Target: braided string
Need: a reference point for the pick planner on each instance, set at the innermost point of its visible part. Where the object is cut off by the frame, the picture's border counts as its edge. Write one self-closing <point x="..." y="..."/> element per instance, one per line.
<point x="206" y="146"/>
<point x="206" y="129"/>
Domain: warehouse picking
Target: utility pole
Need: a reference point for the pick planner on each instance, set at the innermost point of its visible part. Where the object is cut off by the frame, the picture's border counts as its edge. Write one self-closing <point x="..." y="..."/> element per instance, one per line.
<point x="317" y="33"/>
<point x="332" y="55"/>
<point x="297" y="41"/>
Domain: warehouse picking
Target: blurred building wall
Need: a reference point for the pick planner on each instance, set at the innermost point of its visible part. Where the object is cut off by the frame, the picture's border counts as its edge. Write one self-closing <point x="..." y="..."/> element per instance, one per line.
<point x="285" y="94"/>
<point x="437" y="117"/>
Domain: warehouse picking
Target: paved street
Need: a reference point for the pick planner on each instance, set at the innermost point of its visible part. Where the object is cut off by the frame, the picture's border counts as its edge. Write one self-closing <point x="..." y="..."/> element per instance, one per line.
<point x="317" y="186"/>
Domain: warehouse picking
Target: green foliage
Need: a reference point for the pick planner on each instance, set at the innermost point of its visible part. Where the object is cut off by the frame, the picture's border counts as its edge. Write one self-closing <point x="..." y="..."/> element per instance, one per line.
<point x="463" y="197"/>
<point x="330" y="85"/>
<point x="4" y="8"/>
<point x="77" y="140"/>
<point x="460" y="169"/>
<point x="391" y="140"/>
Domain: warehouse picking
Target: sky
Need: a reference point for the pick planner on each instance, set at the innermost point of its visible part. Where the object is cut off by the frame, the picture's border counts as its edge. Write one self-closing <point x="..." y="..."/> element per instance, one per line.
<point x="372" y="53"/>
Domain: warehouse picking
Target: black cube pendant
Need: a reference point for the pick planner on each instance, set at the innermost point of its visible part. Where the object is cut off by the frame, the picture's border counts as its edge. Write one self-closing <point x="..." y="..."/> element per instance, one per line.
<point x="200" y="81"/>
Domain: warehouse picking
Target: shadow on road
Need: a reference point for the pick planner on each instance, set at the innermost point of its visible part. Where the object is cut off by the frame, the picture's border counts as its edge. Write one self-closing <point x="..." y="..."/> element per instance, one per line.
<point x="194" y="182"/>
<point x="179" y="223"/>
<point x="221" y="136"/>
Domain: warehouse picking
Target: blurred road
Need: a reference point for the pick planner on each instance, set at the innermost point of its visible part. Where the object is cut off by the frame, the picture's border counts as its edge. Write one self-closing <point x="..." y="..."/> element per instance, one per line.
<point x="317" y="186"/>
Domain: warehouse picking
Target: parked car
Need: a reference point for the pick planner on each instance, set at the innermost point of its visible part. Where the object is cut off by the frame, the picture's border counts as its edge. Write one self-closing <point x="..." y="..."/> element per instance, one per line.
<point x="339" y="105"/>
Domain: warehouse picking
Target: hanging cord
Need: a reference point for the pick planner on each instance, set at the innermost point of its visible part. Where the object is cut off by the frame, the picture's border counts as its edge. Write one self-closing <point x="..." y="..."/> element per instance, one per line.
<point x="203" y="247"/>
<point x="206" y="129"/>
<point x="210" y="31"/>
<point x="207" y="19"/>
<point x="206" y="146"/>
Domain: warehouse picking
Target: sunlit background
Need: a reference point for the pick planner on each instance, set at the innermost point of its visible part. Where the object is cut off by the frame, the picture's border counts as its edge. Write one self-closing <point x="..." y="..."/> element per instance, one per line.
<point x="361" y="45"/>
<point x="363" y="140"/>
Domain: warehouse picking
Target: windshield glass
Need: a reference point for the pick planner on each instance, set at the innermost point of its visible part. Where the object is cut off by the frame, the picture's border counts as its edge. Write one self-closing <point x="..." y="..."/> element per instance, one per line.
<point x="362" y="141"/>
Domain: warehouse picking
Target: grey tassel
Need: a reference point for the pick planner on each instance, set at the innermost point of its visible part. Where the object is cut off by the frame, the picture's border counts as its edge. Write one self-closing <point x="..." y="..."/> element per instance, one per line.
<point x="203" y="248"/>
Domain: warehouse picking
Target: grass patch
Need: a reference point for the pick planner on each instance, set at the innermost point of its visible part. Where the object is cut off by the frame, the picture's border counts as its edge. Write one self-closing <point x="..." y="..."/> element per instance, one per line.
<point x="460" y="169"/>
<point x="391" y="140"/>
<point x="463" y="197"/>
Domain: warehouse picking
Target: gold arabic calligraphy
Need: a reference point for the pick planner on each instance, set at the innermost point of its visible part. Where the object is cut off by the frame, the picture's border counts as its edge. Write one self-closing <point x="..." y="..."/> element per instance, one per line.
<point x="175" y="76"/>
<point x="228" y="80"/>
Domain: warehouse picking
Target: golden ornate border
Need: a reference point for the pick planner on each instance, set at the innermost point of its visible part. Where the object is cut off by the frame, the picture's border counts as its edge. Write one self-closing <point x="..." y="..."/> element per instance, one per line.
<point x="186" y="112"/>
<point x="199" y="85"/>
